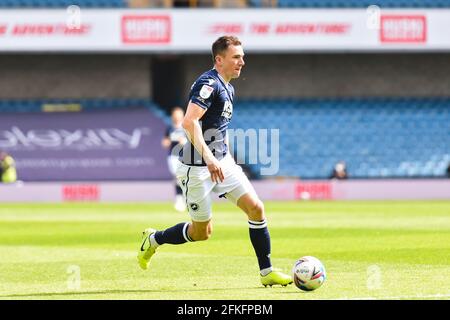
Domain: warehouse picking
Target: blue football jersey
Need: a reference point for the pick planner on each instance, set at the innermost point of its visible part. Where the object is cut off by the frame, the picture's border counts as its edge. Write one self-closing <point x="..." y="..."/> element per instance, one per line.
<point x="211" y="93"/>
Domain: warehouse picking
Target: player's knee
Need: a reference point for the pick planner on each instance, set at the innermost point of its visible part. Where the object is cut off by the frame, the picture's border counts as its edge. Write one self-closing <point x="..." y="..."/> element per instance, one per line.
<point x="256" y="210"/>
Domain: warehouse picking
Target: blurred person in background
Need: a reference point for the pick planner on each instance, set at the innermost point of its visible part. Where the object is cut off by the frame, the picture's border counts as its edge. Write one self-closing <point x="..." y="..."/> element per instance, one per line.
<point x="206" y="166"/>
<point x="448" y="171"/>
<point x="339" y="171"/>
<point x="173" y="141"/>
<point x="8" y="171"/>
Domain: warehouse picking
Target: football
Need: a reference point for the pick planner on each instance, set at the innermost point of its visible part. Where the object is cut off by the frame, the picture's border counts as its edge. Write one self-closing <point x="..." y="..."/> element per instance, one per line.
<point x="308" y="273"/>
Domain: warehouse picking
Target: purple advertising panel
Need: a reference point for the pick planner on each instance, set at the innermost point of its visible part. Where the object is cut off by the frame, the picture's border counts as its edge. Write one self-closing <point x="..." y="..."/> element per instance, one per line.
<point x="72" y="146"/>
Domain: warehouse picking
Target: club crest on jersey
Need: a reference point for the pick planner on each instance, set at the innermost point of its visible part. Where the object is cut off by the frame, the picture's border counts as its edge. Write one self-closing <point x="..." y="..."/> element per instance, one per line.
<point x="227" y="110"/>
<point x="205" y="91"/>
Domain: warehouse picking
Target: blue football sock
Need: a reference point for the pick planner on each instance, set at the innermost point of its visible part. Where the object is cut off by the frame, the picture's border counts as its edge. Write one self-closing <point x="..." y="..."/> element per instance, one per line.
<point x="177" y="234"/>
<point x="260" y="238"/>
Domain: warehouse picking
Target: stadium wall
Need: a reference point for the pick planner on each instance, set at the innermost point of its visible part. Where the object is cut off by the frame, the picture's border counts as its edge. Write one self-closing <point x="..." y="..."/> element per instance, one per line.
<point x="265" y="76"/>
<point x="336" y="75"/>
<point x="268" y="190"/>
<point x="74" y="76"/>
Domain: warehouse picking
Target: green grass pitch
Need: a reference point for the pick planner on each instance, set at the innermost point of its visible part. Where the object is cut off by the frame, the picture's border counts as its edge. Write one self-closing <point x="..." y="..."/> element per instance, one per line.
<point x="381" y="250"/>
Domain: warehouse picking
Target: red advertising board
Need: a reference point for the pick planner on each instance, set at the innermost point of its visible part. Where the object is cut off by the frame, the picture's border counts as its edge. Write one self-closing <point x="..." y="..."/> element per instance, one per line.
<point x="185" y="30"/>
<point x="403" y="29"/>
<point x="81" y="192"/>
<point x="314" y="191"/>
<point x="146" y="29"/>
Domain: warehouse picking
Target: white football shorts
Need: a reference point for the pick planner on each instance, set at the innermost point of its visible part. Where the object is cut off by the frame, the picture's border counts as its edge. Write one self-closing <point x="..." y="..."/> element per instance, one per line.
<point x="196" y="183"/>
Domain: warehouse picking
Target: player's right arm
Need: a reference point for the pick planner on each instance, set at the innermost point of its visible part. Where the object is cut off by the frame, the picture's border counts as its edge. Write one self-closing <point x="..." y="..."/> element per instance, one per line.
<point x="194" y="133"/>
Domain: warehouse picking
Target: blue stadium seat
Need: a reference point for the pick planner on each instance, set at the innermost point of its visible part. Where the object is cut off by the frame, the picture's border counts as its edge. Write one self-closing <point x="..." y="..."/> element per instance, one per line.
<point x="251" y="3"/>
<point x="376" y="137"/>
<point x="63" y="3"/>
<point x="17" y="105"/>
<point x="361" y="3"/>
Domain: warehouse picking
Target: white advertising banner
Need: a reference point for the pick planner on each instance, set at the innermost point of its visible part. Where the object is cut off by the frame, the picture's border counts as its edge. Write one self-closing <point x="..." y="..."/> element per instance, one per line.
<point x="261" y="30"/>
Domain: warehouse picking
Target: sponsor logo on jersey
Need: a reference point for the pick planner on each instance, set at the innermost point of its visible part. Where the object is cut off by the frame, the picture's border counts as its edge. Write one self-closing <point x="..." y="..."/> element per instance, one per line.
<point x="227" y="110"/>
<point x="205" y="91"/>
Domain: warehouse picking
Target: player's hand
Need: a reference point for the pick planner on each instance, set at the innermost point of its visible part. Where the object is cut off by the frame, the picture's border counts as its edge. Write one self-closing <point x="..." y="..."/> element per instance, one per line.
<point x="216" y="171"/>
<point x="165" y="143"/>
<point x="182" y="141"/>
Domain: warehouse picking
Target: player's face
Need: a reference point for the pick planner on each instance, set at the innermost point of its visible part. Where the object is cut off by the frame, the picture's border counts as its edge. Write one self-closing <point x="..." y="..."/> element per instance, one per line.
<point x="232" y="61"/>
<point x="177" y="117"/>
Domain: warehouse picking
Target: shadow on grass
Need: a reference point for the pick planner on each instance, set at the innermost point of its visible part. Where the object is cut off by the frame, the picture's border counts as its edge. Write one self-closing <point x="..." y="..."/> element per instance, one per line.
<point x="80" y="293"/>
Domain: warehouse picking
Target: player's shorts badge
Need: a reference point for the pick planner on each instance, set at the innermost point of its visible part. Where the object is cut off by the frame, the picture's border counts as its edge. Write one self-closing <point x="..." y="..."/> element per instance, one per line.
<point x="206" y="91"/>
<point x="194" y="206"/>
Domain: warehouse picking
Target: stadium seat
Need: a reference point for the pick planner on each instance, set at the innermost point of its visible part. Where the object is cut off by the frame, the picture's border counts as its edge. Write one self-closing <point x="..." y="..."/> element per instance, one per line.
<point x="10" y="105"/>
<point x="251" y="3"/>
<point x="376" y="137"/>
<point x="363" y="3"/>
<point x="63" y="3"/>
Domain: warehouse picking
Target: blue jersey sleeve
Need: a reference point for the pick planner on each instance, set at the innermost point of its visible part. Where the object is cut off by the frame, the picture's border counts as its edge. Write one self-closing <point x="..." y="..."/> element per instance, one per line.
<point x="203" y="92"/>
<point x="167" y="133"/>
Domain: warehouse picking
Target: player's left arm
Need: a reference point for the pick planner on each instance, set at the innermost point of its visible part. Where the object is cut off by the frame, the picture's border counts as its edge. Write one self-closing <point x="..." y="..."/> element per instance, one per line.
<point x="165" y="142"/>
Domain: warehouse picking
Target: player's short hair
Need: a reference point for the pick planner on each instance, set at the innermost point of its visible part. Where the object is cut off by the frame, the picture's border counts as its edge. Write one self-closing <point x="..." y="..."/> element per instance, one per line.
<point x="221" y="45"/>
<point x="176" y="108"/>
